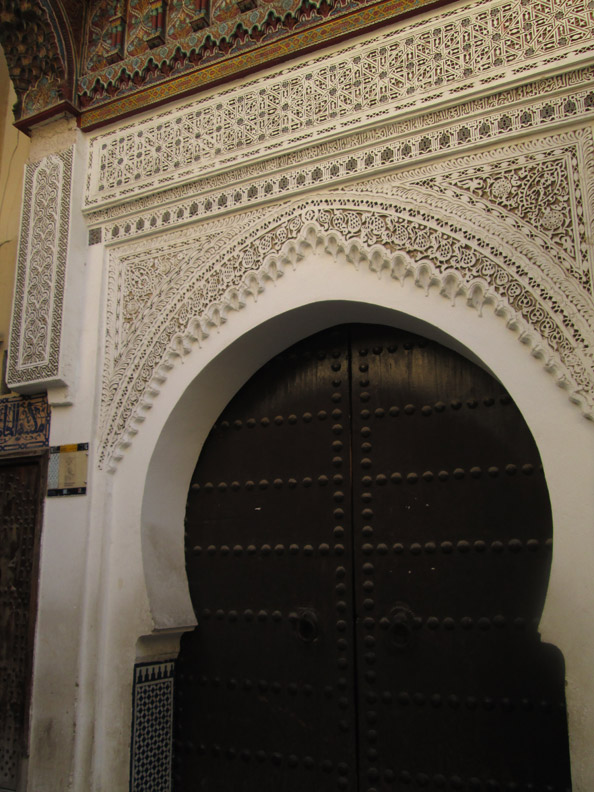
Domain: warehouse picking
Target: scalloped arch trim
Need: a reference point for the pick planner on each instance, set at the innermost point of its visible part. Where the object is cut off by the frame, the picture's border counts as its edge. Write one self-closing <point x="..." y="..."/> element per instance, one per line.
<point x="400" y="240"/>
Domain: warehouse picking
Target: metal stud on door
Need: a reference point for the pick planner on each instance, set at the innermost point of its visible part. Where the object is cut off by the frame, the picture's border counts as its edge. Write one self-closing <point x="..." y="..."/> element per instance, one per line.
<point x="367" y="456"/>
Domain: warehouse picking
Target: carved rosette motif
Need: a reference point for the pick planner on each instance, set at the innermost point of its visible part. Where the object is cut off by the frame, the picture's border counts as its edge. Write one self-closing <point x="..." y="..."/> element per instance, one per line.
<point x="454" y="227"/>
<point x="36" y="330"/>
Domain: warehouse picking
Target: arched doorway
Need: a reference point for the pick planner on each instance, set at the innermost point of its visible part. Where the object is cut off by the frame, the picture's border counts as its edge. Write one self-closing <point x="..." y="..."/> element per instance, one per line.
<point x="368" y="539"/>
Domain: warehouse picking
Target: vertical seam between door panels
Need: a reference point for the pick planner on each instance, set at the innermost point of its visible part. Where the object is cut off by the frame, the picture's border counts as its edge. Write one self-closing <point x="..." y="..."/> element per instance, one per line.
<point x="353" y="572"/>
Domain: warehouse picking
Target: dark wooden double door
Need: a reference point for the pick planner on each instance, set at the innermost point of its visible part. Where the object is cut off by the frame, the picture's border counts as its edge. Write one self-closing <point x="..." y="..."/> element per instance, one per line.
<point x="368" y="544"/>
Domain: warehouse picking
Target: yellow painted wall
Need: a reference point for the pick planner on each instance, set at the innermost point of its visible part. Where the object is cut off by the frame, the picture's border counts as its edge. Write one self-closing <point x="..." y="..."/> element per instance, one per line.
<point x="14" y="150"/>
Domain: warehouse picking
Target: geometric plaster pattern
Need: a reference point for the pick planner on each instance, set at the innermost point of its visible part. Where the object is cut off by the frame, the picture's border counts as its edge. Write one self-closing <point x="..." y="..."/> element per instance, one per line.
<point x="541" y="190"/>
<point x="563" y="98"/>
<point x="445" y="58"/>
<point x="34" y="352"/>
<point x="461" y="228"/>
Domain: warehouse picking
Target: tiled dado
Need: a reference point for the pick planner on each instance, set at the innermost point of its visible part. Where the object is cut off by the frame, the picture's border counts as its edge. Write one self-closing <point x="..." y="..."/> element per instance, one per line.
<point x="152" y="721"/>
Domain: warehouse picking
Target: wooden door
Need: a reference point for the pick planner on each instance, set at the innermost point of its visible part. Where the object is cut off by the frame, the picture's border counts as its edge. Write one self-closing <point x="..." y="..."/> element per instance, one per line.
<point x="21" y="482"/>
<point x="368" y="541"/>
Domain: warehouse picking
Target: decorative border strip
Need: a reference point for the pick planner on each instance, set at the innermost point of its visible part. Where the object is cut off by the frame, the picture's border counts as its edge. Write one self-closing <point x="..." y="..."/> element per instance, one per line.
<point x="482" y="45"/>
<point x="152" y="727"/>
<point x="36" y="329"/>
<point x="24" y="423"/>
<point x="322" y="32"/>
<point x="396" y="146"/>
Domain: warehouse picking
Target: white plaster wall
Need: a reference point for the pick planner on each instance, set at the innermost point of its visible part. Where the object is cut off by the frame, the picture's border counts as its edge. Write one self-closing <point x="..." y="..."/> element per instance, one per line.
<point x="142" y="589"/>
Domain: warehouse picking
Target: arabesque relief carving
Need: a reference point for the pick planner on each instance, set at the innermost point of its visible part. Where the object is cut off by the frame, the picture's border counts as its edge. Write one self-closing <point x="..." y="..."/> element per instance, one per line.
<point x="534" y="107"/>
<point x="482" y="46"/>
<point x="462" y="226"/>
<point x="36" y="331"/>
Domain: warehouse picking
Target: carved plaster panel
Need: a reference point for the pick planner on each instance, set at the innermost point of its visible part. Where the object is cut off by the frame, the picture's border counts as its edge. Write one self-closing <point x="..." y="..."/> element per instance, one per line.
<point x="461" y="225"/>
<point x="561" y="99"/>
<point x="145" y="283"/>
<point x="540" y="190"/>
<point x="479" y="47"/>
<point x="35" y="338"/>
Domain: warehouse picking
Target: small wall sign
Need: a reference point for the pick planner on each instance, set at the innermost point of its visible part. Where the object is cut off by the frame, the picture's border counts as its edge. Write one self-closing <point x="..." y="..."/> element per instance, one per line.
<point x="67" y="473"/>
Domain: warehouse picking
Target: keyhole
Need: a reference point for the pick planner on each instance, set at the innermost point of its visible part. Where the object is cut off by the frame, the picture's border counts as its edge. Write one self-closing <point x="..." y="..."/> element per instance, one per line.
<point x="307" y="627"/>
<point x="401" y="626"/>
<point x="400" y="631"/>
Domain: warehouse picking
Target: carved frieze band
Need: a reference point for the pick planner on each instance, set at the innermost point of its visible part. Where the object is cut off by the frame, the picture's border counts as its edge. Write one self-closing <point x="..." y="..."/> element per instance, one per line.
<point x="506" y="227"/>
<point x="562" y="99"/>
<point x="481" y="47"/>
<point x="34" y="352"/>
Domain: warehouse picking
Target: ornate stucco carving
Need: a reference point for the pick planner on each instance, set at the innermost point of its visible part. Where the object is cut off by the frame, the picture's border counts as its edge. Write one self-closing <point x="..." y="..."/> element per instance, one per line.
<point x="36" y="331"/>
<point x="471" y="125"/>
<point x="209" y="39"/>
<point x="481" y="47"/>
<point x="35" y="53"/>
<point x="461" y="225"/>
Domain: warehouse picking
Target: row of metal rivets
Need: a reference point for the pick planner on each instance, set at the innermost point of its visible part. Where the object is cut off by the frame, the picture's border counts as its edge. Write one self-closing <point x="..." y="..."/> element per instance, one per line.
<point x="275" y="757"/>
<point x="368" y="655"/>
<point x="261" y="685"/>
<point x="277" y="483"/>
<point x="447" y="622"/>
<point x="447" y="547"/>
<point x="443" y="475"/>
<point x="279" y="549"/>
<point x="377" y="349"/>
<point x="425" y="409"/>
<point x="454" y="701"/>
<point x="342" y="662"/>
<point x="455" y="782"/>
<point x="278" y="420"/>
<point x="342" y="642"/>
<point x="248" y="614"/>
